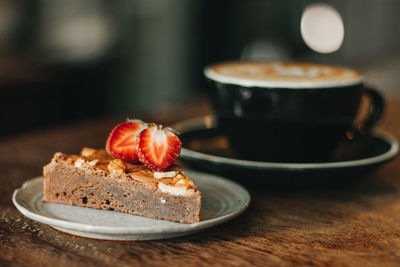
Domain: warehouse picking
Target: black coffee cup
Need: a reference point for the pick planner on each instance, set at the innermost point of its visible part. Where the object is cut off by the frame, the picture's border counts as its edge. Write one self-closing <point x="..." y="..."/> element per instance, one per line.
<point x="289" y="111"/>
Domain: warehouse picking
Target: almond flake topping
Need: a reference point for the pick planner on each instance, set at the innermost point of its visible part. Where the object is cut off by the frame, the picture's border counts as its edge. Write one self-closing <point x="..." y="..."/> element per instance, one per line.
<point x="93" y="162"/>
<point x="159" y="175"/>
<point x="87" y="152"/>
<point x="116" y="166"/>
<point x="79" y="162"/>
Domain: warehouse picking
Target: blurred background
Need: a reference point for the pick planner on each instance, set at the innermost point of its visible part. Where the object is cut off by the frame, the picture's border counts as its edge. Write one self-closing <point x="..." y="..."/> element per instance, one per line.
<point x="66" y="60"/>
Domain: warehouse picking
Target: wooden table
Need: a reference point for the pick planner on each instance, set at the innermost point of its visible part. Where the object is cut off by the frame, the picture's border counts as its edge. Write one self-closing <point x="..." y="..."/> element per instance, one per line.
<point x="358" y="225"/>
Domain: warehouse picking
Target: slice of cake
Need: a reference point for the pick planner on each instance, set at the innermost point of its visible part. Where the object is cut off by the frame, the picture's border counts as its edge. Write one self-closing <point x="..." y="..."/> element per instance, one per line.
<point x="97" y="180"/>
<point x="136" y="175"/>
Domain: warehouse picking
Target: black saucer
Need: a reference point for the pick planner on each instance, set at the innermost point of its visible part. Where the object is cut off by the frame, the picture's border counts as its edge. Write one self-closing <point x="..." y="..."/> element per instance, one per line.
<point x="204" y="147"/>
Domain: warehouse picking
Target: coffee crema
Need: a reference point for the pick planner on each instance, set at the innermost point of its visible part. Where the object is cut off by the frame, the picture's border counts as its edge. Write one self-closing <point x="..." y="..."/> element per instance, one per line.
<point x="291" y="75"/>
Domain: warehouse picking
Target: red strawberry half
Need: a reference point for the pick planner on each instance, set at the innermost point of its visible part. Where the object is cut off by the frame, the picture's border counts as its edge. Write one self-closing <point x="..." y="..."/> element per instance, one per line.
<point x="158" y="147"/>
<point x="122" y="141"/>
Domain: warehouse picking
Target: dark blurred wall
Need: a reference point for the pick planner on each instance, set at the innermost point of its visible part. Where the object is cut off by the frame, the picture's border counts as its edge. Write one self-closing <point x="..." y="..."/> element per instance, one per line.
<point x="66" y="60"/>
<point x="158" y="66"/>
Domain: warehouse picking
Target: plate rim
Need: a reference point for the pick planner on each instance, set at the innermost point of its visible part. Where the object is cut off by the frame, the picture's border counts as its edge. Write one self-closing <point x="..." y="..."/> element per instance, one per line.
<point x="210" y="120"/>
<point x="138" y="231"/>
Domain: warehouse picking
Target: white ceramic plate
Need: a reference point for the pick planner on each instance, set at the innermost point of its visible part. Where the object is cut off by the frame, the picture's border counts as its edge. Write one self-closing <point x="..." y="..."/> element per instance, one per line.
<point x="222" y="200"/>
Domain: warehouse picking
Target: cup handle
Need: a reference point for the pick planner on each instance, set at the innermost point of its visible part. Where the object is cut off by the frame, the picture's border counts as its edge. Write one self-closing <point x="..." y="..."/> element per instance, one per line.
<point x="375" y="112"/>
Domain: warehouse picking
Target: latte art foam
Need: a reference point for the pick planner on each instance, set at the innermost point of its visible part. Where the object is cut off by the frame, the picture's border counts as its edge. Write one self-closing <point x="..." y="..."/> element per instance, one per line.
<point x="282" y="74"/>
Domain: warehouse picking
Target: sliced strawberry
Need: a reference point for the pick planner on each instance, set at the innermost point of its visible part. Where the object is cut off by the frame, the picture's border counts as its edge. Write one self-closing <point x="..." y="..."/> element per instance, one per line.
<point x="122" y="141"/>
<point x="158" y="147"/>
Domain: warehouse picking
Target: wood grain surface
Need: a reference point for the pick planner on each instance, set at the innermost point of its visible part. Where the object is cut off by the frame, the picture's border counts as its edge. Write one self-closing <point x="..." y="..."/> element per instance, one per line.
<point x="355" y="224"/>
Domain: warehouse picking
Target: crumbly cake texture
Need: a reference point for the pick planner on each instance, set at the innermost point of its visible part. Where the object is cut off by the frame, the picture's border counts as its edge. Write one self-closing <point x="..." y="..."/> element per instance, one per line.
<point x="96" y="180"/>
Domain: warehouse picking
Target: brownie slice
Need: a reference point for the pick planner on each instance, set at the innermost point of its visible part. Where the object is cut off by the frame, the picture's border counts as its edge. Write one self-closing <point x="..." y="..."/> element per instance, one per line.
<point x="96" y="180"/>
